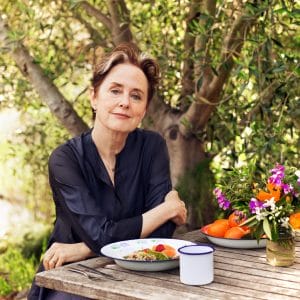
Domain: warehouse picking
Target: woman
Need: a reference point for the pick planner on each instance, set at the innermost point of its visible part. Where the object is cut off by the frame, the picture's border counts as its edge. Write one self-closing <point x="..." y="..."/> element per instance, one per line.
<point x="113" y="182"/>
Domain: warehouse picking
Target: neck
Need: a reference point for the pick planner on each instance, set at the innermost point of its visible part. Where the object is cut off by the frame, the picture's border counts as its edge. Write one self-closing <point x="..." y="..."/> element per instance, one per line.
<point x="108" y="142"/>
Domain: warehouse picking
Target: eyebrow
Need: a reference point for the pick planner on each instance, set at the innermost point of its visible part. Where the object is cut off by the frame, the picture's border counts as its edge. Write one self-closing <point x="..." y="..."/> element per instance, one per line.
<point x="121" y="85"/>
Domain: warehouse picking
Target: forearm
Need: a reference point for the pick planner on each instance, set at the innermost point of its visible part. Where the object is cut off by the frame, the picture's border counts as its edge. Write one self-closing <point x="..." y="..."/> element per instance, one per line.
<point x="154" y="218"/>
<point x="81" y="252"/>
<point x="166" y="230"/>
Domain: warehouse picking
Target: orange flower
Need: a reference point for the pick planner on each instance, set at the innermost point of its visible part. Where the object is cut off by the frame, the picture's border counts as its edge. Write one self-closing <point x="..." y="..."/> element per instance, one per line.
<point x="295" y="220"/>
<point x="274" y="192"/>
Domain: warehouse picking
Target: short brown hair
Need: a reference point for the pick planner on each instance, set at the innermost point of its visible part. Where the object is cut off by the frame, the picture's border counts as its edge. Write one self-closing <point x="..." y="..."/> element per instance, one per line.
<point x="127" y="53"/>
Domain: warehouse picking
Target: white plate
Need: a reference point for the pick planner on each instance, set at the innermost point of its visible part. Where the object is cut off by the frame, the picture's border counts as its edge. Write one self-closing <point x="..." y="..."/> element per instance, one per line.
<point x="236" y="243"/>
<point x="118" y="250"/>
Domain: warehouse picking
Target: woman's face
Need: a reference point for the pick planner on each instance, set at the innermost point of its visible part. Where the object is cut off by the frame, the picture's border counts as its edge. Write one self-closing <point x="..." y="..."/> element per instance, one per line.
<point x="121" y="99"/>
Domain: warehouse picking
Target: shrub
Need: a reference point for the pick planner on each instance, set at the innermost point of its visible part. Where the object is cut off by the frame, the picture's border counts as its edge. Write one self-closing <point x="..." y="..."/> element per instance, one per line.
<point x="16" y="271"/>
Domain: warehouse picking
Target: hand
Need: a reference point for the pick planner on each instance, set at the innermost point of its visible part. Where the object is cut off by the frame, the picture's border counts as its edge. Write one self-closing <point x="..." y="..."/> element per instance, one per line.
<point x="60" y="253"/>
<point x="178" y="207"/>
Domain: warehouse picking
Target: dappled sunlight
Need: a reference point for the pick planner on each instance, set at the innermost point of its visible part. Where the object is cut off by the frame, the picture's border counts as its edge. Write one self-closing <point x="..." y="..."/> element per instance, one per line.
<point x="10" y="124"/>
<point x="13" y="219"/>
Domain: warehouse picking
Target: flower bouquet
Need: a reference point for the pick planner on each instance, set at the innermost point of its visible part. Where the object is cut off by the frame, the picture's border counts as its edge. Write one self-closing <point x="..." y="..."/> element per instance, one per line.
<point x="258" y="206"/>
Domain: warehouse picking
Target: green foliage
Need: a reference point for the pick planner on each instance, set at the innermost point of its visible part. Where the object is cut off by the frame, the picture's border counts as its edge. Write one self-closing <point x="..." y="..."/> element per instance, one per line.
<point x="158" y="29"/>
<point x="260" y="107"/>
<point x="34" y="243"/>
<point x="17" y="272"/>
<point x="238" y="185"/>
<point x="256" y="120"/>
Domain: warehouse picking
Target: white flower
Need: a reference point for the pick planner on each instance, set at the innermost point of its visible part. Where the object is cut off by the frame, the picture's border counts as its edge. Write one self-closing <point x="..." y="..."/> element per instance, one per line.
<point x="270" y="203"/>
<point x="260" y="214"/>
<point x="284" y="222"/>
<point x="257" y="210"/>
<point x="297" y="173"/>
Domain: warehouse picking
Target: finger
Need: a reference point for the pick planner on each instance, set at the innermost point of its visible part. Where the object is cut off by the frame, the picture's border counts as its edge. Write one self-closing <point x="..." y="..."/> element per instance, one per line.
<point x="178" y="221"/>
<point x="46" y="260"/>
<point x="46" y="264"/>
<point x="59" y="263"/>
<point x="52" y="262"/>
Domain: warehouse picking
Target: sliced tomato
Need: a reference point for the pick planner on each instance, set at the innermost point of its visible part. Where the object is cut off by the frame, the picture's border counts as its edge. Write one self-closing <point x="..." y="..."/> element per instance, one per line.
<point x="160" y="248"/>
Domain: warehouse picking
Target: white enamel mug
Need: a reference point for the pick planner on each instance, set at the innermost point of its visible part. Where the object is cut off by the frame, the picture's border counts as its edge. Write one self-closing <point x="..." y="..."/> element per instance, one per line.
<point x="196" y="263"/>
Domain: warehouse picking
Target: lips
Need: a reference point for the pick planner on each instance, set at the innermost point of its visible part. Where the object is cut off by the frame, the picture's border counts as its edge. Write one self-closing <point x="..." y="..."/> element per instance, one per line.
<point x="120" y="115"/>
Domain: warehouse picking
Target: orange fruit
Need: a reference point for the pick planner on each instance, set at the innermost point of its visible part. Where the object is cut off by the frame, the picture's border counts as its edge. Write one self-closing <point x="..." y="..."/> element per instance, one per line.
<point x="205" y="228"/>
<point x="235" y="220"/>
<point x="235" y="233"/>
<point x="217" y="229"/>
<point x="222" y="221"/>
<point x="295" y="220"/>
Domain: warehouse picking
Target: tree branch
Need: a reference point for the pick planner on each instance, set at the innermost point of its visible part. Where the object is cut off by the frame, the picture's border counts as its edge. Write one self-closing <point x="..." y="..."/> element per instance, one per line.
<point x="95" y="36"/>
<point x="202" y="66"/>
<point x="266" y="96"/>
<point x="92" y="11"/>
<point x="120" y="20"/>
<point x="48" y="92"/>
<point x="187" y="81"/>
<point x="208" y="96"/>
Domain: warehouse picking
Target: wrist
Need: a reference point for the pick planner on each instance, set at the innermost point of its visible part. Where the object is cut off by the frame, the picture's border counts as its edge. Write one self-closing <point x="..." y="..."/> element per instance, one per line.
<point x="84" y="251"/>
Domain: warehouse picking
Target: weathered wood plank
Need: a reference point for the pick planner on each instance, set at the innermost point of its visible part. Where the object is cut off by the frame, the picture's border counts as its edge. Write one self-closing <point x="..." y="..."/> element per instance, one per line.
<point x="226" y="285"/>
<point x="239" y="274"/>
<point x="259" y="263"/>
<point x="134" y="287"/>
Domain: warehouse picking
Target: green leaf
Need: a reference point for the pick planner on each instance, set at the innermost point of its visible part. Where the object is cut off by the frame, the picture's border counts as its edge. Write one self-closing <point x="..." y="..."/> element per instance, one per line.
<point x="74" y="3"/>
<point x="249" y="221"/>
<point x="199" y="83"/>
<point x="281" y="10"/>
<point x="267" y="228"/>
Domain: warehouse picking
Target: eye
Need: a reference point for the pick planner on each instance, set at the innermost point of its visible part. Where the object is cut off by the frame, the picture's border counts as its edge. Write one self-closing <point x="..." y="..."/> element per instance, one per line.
<point x="136" y="96"/>
<point x="115" y="91"/>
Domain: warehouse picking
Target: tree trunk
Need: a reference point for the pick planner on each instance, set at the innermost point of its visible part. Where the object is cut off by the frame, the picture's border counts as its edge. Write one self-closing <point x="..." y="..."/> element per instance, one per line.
<point x="48" y="92"/>
<point x="187" y="153"/>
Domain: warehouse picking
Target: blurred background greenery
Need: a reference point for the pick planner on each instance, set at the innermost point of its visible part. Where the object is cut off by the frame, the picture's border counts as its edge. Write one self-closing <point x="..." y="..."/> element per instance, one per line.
<point x="229" y="96"/>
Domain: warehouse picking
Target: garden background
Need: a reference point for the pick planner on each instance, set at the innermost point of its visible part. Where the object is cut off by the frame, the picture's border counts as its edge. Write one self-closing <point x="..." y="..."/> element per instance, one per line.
<point x="229" y="97"/>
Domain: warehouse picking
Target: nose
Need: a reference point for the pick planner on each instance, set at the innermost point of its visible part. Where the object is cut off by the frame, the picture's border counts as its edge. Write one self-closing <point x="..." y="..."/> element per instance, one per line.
<point x="124" y="101"/>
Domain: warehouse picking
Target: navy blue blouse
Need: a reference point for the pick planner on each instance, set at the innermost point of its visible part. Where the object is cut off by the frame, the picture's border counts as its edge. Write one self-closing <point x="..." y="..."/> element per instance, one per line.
<point x="89" y="208"/>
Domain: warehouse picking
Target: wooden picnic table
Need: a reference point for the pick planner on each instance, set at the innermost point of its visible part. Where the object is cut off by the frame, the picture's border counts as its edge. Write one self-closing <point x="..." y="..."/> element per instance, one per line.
<point x="238" y="274"/>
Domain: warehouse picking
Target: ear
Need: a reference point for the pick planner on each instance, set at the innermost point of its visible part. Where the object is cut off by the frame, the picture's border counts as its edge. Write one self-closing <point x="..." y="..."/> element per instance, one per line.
<point x="93" y="98"/>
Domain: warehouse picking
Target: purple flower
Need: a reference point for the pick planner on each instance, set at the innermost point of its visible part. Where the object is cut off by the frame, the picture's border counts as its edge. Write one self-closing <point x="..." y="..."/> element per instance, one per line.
<point x="253" y="204"/>
<point x="277" y="175"/>
<point x="287" y="188"/>
<point x="241" y="215"/>
<point x="223" y="202"/>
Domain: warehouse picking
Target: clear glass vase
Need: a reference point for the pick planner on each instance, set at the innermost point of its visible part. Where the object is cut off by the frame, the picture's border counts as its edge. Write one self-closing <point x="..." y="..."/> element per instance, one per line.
<point x="281" y="253"/>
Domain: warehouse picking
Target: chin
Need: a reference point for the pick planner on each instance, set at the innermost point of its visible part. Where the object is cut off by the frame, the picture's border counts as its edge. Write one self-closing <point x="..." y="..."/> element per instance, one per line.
<point x="123" y="129"/>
